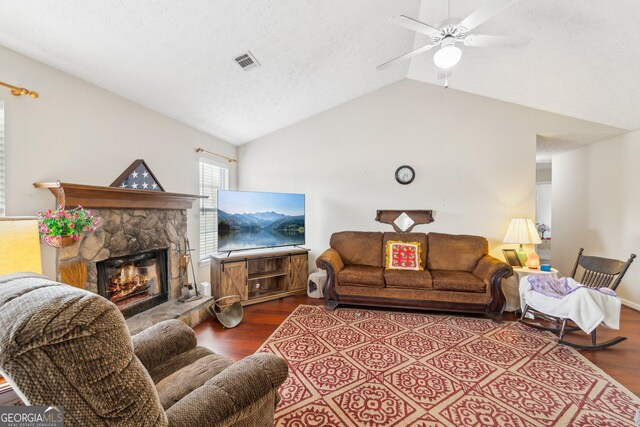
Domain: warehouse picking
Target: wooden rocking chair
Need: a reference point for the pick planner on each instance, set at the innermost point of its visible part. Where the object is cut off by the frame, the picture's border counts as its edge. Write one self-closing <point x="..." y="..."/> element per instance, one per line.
<point x="597" y="273"/>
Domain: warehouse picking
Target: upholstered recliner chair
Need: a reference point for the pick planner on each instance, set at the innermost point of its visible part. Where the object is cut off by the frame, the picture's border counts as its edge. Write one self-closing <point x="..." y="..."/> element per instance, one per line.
<point x="64" y="346"/>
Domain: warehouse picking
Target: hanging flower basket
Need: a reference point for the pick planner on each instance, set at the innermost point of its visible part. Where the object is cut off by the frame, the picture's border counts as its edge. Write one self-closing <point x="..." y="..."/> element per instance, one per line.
<point x="61" y="241"/>
<point x="64" y="227"/>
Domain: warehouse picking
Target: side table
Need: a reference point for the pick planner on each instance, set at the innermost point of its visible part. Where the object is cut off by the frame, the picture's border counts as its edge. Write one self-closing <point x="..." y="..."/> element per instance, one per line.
<point x="511" y="285"/>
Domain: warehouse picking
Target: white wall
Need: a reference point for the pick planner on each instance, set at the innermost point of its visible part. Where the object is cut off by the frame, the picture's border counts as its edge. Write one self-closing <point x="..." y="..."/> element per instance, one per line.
<point x="543" y="205"/>
<point x="79" y="133"/>
<point x="596" y="206"/>
<point x="543" y="173"/>
<point x="474" y="159"/>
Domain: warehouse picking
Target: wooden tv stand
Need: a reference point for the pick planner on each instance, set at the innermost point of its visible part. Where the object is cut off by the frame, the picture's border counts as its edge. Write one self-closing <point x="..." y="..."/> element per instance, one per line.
<point x="260" y="275"/>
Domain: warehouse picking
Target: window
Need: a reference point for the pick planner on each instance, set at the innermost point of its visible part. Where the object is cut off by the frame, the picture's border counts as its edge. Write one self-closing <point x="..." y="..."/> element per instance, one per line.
<point x="213" y="177"/>
<point x="1" y="158"/>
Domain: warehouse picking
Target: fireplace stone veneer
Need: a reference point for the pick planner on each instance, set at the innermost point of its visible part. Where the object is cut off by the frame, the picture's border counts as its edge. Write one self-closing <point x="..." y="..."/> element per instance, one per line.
<point x="125" y="232"/>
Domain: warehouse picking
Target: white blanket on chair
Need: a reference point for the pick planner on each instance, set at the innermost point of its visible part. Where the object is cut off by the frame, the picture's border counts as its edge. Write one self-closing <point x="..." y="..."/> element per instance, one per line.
<point x="587" y="308"/>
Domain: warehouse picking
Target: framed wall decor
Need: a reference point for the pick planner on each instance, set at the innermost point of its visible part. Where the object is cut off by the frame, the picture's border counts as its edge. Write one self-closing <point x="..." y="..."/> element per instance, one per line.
<point x="138" y="176"/>
<point x="511" y="256"/>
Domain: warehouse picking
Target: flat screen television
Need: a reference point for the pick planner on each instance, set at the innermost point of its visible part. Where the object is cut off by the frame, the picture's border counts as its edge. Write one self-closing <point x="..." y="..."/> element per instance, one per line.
<point x="252" y="220"/>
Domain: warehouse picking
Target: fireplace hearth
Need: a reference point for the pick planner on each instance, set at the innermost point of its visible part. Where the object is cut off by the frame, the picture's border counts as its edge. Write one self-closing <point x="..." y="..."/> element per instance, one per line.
<point x="134" y="282"/>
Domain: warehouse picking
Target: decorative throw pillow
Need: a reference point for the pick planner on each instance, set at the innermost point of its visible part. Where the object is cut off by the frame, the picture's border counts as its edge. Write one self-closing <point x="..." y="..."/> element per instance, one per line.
<point x="403" y="255"/>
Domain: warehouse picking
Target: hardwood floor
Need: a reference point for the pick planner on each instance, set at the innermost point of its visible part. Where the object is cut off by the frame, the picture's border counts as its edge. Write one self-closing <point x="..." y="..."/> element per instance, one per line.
<point x="260" y="320"/>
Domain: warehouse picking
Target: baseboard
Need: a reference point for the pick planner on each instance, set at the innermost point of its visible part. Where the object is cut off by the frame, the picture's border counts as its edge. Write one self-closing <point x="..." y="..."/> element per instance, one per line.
<point x="633" y="305"/>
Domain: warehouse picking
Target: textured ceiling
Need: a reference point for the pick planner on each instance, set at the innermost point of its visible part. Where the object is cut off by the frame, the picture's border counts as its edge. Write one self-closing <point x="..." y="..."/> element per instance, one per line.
<point x="583" y="61"/>
<point x="176" y="57"/>
<point x="548" y="146"/>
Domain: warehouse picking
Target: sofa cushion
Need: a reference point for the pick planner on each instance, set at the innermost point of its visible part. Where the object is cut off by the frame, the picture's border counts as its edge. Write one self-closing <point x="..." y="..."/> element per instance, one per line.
<point x="168" y="367"/>
<point x="407" y="237"/>
<point x="408" y="279"/>
<point x="361" y="275"/>
<point x="183" y="381"/>
<point x="359" y="247"/>
<point x="460" y="281"/>
<point x="452" y="252"/>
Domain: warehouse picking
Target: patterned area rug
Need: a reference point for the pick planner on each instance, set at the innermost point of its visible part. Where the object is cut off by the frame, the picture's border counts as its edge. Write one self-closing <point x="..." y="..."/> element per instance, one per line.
<point x="354" y="367"/>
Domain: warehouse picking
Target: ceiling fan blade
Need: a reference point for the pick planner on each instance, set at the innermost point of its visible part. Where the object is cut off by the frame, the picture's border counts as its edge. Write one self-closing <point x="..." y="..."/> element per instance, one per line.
<point x="405" y="56"/>
<point x="496" y="41"/>
<point x="412" y="24"/>
<point x="484" y="13"/>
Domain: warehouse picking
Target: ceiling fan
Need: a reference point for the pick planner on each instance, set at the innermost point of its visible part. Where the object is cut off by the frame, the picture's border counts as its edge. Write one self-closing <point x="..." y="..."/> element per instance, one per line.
<point x="453" y="31"/>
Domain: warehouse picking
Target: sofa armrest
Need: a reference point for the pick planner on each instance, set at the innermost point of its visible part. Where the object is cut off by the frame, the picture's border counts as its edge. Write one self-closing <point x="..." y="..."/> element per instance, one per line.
<point x="488" y="266"/>
<point x="228" y="397"/>
<point x="330" y="261"/>
<point x="330" y="258"/>
<point x="491" y="271"/>
<point x="160" y="342"/>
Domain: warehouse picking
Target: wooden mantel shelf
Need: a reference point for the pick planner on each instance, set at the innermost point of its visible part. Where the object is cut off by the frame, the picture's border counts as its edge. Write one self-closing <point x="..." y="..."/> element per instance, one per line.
<point x="91" y="196"/>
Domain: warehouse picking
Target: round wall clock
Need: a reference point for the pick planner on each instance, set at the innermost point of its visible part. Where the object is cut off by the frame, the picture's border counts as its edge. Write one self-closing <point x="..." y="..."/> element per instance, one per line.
<point x="405" y="174"/>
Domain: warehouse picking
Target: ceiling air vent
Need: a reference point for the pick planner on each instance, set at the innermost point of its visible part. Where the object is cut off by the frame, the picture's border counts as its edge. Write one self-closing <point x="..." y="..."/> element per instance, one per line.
<point x="247" y="61"/>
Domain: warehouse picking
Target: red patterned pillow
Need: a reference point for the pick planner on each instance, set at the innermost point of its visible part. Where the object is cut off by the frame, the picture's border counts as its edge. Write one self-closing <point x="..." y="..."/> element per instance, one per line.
<point x="403" y="255"/>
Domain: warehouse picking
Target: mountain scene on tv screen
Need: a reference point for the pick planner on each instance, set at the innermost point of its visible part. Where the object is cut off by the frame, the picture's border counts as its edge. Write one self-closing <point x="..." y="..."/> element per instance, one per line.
<point x="259" y="229"/>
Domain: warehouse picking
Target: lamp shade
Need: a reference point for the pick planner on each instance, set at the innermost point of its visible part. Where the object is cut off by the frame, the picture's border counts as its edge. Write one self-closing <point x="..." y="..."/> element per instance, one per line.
<point x="522" y="231"/>
<point x="19" y="245"/>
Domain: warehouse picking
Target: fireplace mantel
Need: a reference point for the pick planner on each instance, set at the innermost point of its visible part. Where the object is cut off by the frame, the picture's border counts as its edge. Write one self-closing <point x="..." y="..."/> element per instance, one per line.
<point x="92" y="196"/>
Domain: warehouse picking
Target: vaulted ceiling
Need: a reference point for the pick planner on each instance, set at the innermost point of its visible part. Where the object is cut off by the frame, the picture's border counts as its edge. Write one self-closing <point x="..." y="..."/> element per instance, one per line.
<point x="177" y="57"/>
<point x="583" y="60"/>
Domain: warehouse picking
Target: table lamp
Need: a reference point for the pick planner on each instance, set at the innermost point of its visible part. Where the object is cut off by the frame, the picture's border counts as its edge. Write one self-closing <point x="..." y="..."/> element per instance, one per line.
<point x="19" y="245"/>
<point x="523" y="231"/>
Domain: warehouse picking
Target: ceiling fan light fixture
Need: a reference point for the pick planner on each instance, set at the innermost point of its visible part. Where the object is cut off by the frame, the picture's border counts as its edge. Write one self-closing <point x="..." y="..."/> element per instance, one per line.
<point x="448" y="55"/>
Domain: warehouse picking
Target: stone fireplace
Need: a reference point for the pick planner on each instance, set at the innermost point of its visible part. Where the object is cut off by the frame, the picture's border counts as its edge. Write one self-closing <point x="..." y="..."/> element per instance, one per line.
<point x="143" y="242"/>
<point x="132" y="258"/>
<point x="135" y="283"/>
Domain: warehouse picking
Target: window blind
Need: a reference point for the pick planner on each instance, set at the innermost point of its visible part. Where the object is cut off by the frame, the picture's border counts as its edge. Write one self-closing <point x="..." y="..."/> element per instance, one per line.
<point x="213" y="177"/>
<point x="2" y="204"/>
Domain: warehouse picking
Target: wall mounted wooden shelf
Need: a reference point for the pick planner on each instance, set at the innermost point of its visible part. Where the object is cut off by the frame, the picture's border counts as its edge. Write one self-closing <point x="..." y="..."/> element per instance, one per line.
<point x="91" y="196"/>
<point x="417" y="216"/>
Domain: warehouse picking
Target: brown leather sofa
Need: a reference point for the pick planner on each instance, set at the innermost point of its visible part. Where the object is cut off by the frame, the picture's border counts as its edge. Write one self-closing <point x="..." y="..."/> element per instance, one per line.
<point x="459" y="274"/>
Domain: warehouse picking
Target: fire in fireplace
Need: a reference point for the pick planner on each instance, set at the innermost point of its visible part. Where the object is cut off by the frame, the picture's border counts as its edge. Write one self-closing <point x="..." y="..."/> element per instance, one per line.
<point x="134" y="283"/>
